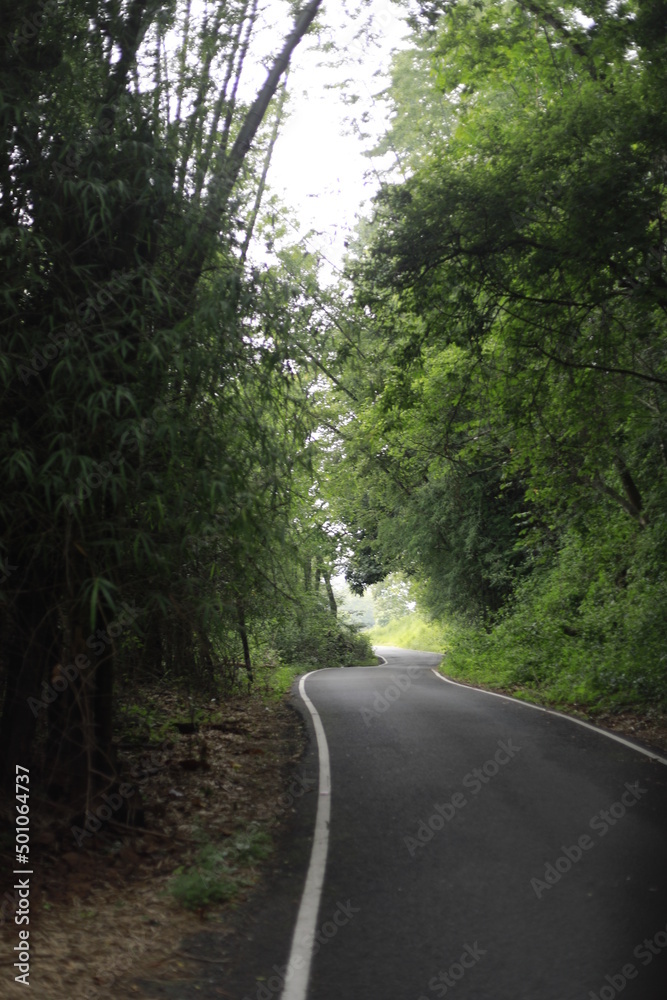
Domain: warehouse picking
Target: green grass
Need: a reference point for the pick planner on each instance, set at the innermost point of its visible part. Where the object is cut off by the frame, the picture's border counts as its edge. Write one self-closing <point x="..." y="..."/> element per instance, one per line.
<point x="281" y="679"/>
<point x="220" y="871"/>
<point x="473" y="657"/>
<point x="529" y="671"/>
<point x="413" y="632"/>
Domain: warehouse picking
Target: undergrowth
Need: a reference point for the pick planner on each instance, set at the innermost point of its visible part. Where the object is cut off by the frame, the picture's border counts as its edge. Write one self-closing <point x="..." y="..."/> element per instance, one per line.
<point x="219" y="872"/>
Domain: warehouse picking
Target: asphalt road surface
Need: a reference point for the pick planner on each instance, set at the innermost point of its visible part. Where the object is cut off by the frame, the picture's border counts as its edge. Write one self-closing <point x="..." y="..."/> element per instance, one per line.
<point x="476" y="849"/>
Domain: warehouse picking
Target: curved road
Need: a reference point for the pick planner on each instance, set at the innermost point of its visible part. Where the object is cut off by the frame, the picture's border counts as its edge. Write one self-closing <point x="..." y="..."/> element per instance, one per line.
<point x="477" y="849"/>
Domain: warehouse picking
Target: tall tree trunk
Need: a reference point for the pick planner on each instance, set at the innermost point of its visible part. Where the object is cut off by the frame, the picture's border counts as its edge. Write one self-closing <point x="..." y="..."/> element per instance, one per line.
<point x="265" y="171"/>
<point x="307" y="574"/>
<point x="81" y="762"/>
<point x="30" y="656"/>
<point x="330" y="594"/>
<point x="243" y="632"/>
<point x="227" y="175"/>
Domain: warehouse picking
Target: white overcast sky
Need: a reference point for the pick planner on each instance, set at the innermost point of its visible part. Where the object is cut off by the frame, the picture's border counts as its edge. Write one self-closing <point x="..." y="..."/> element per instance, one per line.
<point x="318" y="168"/>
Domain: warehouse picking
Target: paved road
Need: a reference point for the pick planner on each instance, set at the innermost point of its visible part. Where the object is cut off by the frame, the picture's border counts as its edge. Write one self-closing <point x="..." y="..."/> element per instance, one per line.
<point x="478" y="849"/>
<point x="452" y="817"/>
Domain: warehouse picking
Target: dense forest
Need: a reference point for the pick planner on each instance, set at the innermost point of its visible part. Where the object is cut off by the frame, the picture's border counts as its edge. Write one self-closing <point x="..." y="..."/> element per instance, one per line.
<point x="195" y="444"/>
<point x="507" y="451"/>
<point x="157" y="420"/>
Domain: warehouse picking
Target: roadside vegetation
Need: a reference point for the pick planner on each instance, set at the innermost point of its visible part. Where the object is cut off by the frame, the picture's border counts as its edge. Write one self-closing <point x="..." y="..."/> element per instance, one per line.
<point x="412" y="632"/>
<point x="217" y="874"/>
<point x="201" y="428"/>
<point x="525" y="652"/>
<point x="161" y="522"/>
<point x="508" y="369"/>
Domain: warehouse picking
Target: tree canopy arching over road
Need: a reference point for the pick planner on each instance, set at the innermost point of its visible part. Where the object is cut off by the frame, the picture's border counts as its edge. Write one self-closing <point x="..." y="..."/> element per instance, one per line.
<point x="193" y="444"/>
<point x="508" y="450"/>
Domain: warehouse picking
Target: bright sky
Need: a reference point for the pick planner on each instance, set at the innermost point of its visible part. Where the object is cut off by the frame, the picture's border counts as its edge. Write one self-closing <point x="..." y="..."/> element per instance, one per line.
<point x="318" y="168"/>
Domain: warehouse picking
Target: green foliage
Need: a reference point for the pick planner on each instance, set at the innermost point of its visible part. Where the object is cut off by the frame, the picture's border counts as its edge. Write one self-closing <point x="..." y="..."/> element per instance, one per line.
<point x="480" y="406"/>
<point x="308" y="635"/>
<point x="142" y="723"/>
<point x="392" y="599"/>
<point x="155" y="425"/>
<point x="508" y="363"/>
<point x="219" y="872"/>
<point x="586" y="628"/>
<point x="413" y="631"/>
<point x="280" y="681"/>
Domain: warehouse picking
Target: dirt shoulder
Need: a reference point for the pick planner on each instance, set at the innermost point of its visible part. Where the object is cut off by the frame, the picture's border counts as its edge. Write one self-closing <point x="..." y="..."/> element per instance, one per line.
<point x="649" y="728"/>
<point x="101" y="912"/>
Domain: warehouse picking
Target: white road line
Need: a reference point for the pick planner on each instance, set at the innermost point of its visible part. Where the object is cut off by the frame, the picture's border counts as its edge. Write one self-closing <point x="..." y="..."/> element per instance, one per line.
<point x="301" y="954"/>
<point x="562" y="715"/>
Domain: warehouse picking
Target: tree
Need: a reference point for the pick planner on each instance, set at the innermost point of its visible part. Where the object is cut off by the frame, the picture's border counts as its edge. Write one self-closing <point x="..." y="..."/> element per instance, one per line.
<point x="510" y="368"/>
<point x="128" y="358"/>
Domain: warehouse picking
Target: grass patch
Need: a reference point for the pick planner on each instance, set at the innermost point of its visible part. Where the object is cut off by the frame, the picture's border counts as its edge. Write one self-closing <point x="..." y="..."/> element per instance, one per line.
<point x="476" y="657"/>
<point x="574" y="662"/>
<point x="413" y="632"/>
<point x="274" y="684"/>
<point x="281" y="679"/>
<point x="220" y="871"/>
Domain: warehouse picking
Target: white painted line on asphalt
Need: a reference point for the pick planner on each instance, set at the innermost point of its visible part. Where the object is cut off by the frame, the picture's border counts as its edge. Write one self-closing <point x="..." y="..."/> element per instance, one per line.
<point x="301" y="953"/>
<point x="562" y="715"/>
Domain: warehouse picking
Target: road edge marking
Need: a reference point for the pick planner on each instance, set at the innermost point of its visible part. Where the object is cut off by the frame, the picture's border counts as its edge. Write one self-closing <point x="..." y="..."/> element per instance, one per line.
<point x="551" y="711"/>
<point x="301" y="953"/>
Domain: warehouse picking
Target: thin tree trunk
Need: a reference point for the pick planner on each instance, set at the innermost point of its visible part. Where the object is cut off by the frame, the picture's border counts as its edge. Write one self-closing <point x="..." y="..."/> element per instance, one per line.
<point x="183" y="59"/>
<point x="265" y="171"/>
<point x="243" y="632"/>
<point x="330" y="594"/>
<point x="205" y="158"/>
<point x="30" y="655"/>
<point x="223" y="184"/>
<point x="200" y="107"/>
<point x="630" y="489"/>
